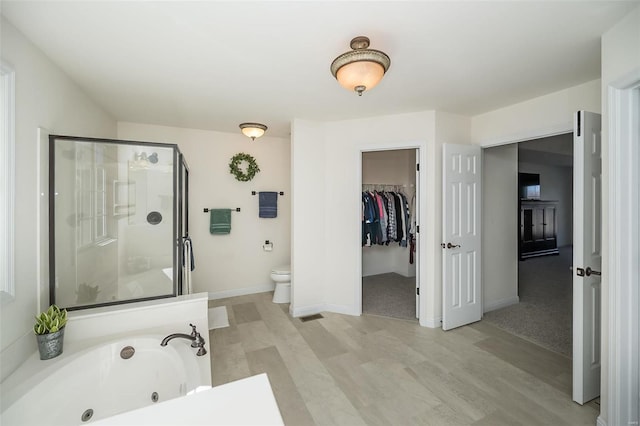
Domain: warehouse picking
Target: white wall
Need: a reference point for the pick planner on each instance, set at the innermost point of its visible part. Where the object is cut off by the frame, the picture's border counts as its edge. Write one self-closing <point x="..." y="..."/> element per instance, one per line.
<point x="395" y="167"/>
<point x="326" y="159"/>
<point x="221" y="260"/>
<point x="308" y="233"/>
<point x="499" y="227"/>
<point x="45" y="97"/>
<point x="546" y="115"/>
<point x="620" y="58"/>
<point x="326" y="162"/>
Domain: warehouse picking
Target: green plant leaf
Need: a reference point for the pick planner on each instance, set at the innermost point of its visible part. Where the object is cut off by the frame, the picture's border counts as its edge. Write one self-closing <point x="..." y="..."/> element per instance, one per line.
<point x="51" y="320"/>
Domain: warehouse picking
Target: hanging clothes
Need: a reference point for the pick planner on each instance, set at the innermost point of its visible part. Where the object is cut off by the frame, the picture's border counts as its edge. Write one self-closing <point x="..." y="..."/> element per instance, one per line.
<point x="383" y="218"/>
<point x="368" y="218"/>
<point x="386" y="217"/>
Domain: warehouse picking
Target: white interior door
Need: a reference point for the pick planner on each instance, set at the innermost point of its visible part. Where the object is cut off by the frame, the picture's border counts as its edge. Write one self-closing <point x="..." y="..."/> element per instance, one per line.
<point x="587" y="226"/>
<point x="461" y="243"/>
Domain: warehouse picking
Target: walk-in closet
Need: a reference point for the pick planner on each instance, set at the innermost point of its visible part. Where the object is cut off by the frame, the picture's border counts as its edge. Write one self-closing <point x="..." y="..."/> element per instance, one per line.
<point x="389" y="244"/>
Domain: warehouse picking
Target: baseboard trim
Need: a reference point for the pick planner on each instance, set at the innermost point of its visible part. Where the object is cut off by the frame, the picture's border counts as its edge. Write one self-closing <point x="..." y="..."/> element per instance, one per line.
<point x="341" y="309"/>
<point x="431" y="322"/>
<point x="600" y="421"/>
<point x="213" y="295"/>
<point x="502" y="303"/>
<point x="308" y="310"/>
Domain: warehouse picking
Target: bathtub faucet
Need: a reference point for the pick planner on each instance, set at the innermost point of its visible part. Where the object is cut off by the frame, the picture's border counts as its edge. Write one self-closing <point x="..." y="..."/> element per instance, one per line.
<point x="197" y="341"/>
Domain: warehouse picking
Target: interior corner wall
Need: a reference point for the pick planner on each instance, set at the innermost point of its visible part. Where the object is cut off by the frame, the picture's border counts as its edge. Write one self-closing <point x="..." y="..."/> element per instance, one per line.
<point x="546" y="115"/>
<point x="44" y="97"/>
<point x="620" y="58"/>
<point x="221" y="260"/>
<point x="326" y="181"/>
<point x="500" y="227"/>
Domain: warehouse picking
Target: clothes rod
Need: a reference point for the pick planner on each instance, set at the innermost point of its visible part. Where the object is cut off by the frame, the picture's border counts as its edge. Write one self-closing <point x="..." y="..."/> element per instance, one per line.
<point x="254" y="193"/>
<point x="207" y="210"/>
<point x="404" y="185"/>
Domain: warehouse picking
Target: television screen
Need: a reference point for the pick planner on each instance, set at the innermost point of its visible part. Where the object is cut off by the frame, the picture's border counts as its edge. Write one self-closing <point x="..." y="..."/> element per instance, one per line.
<point x="529" y="184"/>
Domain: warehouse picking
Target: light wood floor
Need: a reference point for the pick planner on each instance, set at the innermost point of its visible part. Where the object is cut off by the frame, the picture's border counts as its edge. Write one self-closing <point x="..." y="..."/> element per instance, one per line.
<point x="344" y="370"/>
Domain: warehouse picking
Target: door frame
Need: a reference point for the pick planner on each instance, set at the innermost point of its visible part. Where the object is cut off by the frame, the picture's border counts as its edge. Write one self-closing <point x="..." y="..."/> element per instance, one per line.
<point x="421" y="254"/>
<point x="555" y="132"/>
<point x="620" y="269"/>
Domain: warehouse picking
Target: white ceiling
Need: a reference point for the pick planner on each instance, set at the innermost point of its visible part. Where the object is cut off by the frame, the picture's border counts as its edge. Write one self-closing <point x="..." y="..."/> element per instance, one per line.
<point x="214" y="64"/>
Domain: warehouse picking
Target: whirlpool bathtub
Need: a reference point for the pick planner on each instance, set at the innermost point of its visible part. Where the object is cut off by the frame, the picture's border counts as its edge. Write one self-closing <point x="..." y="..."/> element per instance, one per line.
<point x="83" y="385"/>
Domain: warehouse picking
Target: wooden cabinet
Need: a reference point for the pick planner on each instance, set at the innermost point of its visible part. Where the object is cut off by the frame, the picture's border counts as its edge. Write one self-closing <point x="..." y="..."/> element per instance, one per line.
<point x="538" y="228"/>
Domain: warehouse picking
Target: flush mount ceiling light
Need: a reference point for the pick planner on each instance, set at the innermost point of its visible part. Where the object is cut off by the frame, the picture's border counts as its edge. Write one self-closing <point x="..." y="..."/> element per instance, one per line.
<point x="253" y="130"/>
<point x="362" y="68"/>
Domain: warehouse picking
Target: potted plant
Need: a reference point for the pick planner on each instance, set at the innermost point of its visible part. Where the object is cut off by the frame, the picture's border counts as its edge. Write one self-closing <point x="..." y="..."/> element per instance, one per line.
<point x="49" y="329"/>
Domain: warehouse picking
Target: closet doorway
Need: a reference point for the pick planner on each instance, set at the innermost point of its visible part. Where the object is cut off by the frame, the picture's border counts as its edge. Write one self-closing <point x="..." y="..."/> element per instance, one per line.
<point x="390" y="284"/>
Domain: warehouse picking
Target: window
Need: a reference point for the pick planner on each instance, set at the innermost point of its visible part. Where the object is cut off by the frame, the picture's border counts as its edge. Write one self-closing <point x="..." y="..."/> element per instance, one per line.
<point x="7" y="186"/>
<point x="91" y="194"/>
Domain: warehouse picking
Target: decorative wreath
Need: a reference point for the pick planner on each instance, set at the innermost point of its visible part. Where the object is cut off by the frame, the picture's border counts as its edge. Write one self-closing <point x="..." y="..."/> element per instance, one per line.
<point x="252" y="167"/>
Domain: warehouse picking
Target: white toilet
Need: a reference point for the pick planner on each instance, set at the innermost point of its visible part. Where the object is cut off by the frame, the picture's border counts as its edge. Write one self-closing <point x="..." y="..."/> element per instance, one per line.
<point x="281" y="275"/>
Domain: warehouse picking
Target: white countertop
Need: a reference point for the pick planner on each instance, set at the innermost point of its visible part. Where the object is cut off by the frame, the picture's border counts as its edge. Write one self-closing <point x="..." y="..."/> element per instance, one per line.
<point x="248" y="401"/>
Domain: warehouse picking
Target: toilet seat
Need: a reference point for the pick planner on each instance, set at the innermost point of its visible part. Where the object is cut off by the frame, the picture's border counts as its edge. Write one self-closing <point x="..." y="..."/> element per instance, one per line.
<point x="282" y="270"/>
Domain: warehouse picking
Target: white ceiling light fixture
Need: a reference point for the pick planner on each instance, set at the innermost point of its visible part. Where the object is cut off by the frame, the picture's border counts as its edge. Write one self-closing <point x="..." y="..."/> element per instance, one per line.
<point x="362" y="68"/>
<point x="253" y="130"/>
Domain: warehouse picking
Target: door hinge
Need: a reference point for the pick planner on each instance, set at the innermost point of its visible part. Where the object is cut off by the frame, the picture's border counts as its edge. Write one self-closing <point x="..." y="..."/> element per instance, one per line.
<point x="418" y="291"/>
<point x="579" y="126"/>
<point x="417" y="167"/>
<point x="417" y="229"/>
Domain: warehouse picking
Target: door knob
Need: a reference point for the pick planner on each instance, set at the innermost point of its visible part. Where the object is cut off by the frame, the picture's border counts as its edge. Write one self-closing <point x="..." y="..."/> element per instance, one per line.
<point x="449" y="245"/>
<point x="590" y="271"/>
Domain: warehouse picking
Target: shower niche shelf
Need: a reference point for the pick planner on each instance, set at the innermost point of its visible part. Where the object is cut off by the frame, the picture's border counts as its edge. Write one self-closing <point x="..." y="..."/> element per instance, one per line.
<point x="124" y="198"/>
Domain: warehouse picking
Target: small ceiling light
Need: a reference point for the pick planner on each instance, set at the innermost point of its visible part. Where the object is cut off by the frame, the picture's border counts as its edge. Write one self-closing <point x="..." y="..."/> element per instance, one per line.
<point x="253" y="130"/>
<point x="362" y="68"/>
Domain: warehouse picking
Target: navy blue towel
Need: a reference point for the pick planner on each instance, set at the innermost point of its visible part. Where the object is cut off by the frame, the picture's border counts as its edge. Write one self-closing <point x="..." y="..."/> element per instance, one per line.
<point x="268" y="204"/>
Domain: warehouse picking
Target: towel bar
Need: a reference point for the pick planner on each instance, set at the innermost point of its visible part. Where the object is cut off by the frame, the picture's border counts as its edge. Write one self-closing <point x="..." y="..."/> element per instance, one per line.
<point x="207" y="210"/>
<point x="254" y="193"/>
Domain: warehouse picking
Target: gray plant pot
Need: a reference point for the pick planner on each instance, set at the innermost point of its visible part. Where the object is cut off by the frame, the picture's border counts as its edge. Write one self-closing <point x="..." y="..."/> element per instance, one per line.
<point x="50" y="345"/>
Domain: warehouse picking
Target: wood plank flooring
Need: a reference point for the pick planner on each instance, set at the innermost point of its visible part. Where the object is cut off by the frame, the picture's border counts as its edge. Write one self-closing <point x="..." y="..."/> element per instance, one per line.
<point x="369" y="370"/>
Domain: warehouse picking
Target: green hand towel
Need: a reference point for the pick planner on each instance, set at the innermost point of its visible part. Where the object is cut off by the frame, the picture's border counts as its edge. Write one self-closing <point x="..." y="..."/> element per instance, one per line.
<point x="220" y="222"/>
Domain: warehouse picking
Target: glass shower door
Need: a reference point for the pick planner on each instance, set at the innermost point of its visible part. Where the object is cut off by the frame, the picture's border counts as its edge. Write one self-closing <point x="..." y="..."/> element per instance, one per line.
<point x="113" y="221"/>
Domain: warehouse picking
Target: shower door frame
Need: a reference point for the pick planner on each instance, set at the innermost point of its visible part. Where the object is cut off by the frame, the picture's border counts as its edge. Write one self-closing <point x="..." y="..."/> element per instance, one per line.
<point x="183" y="218"/>
<point x="178" y="160"/>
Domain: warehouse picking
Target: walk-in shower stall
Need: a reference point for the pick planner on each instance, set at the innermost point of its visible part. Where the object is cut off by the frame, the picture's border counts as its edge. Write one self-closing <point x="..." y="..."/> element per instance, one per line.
<point x="117" y="221"/>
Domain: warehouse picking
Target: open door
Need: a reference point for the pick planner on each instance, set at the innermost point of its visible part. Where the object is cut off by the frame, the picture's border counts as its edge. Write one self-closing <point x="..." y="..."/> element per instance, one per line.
<point x="416" y="230"/>
<point x="461" y="243"/>
<point x="587" y="257"/>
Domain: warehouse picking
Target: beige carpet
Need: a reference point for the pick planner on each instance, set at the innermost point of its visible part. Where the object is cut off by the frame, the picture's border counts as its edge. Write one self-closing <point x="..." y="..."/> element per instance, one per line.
<point x="389" y="295"/>
<point x="544" y="314"/>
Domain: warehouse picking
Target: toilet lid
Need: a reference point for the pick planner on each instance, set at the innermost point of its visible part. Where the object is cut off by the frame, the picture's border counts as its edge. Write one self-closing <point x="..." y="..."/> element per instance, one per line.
<point x="282" y="270"/>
